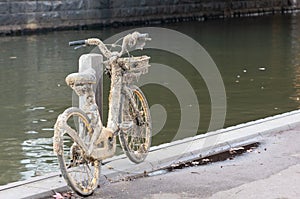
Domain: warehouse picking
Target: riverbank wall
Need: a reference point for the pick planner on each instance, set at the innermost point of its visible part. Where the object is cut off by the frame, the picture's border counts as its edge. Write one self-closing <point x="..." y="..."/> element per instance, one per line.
<point x="21" y="16"/>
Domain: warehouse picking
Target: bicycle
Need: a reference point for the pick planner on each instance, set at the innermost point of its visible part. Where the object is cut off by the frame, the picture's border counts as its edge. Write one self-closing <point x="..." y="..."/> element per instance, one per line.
<point x="82" y="146"/>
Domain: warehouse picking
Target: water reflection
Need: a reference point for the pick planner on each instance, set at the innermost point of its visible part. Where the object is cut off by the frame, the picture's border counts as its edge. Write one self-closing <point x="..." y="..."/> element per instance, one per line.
<point x="259" y="59"/>
<point x="11" y="153"/>
<point x="295" y="60"/>
<point x="31" y="69"/>
<point x="39" y="157"/>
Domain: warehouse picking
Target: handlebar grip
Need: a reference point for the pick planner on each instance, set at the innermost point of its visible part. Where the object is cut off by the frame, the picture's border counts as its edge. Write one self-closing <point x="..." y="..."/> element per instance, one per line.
<point x="75" y="43"/>
<point x="143" y="35"/>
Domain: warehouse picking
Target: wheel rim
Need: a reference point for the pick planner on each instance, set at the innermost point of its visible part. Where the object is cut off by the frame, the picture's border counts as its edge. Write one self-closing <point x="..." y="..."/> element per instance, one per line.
<point x="137" y="140"/>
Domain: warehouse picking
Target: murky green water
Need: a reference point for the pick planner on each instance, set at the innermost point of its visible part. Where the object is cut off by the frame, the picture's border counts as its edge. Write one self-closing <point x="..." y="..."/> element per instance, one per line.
<point x="258" y="58"/>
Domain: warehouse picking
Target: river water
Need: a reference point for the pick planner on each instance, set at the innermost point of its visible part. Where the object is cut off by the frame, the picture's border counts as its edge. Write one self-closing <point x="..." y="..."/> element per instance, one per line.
<point x="258" y="59"/>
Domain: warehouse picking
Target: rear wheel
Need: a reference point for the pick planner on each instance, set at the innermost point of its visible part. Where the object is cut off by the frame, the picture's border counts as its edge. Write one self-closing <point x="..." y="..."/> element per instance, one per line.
<point x="136" y="141"/>
<point x="80" y="172"/>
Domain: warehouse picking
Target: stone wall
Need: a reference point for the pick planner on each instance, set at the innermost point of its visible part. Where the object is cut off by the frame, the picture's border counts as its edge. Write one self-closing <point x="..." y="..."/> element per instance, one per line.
<point x="28" y="15"/>
<point x="37" y="14"/>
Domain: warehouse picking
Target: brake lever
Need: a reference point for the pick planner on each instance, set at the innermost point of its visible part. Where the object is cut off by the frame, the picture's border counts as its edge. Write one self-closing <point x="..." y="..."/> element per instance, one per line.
<point x="80" y="46"/>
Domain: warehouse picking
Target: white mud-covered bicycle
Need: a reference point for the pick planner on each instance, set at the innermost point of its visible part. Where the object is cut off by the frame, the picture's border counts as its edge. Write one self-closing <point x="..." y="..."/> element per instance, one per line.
<point x="80" y="140"/>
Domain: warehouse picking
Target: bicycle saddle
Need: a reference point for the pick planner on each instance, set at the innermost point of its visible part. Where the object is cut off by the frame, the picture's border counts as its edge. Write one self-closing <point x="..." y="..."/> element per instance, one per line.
<point x="85" y="77"/>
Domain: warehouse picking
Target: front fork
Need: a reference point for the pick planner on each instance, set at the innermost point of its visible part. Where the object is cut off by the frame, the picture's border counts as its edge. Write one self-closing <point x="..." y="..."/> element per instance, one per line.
<point x="129" y="93"/>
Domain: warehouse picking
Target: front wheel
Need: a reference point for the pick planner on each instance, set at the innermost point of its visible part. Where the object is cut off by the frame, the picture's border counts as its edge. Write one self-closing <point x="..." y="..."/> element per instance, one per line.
<point x="71" y="138"/>
<point x="136" y="140"/>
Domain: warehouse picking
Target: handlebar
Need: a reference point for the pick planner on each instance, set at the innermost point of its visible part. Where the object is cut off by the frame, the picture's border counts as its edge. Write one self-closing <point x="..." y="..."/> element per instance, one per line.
<point x="134" y="39"/>
<point x="75" y="43"/>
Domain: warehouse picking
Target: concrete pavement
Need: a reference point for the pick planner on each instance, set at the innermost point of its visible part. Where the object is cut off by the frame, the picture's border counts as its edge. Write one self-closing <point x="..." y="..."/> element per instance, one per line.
<point x="271" y="171"/>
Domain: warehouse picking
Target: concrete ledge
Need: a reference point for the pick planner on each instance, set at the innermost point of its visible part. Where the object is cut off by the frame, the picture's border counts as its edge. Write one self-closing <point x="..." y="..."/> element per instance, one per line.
<point x="163" y="156"/>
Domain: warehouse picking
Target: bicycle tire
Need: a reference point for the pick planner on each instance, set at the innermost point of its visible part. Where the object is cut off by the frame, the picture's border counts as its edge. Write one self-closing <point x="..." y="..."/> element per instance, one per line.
<point x="81" y="173"/>
<point x="136" y="141"/>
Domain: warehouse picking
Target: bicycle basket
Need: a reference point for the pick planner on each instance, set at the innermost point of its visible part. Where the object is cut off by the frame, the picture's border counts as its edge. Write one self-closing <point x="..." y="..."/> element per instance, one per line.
<point x="134" y="67"/>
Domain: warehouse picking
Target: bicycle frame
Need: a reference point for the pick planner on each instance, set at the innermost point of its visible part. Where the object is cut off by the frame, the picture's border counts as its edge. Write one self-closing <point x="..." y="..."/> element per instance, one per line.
<point x="80" y="150"/>
<point x="103" y="141"/>
<point x="128" y="114"/>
